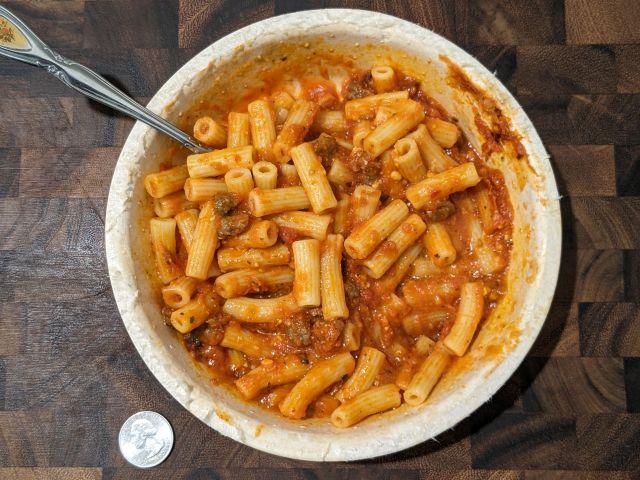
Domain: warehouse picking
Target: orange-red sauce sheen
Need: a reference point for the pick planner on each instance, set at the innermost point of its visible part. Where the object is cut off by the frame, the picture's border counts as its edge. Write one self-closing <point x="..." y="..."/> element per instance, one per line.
<point x="380" y="313"/>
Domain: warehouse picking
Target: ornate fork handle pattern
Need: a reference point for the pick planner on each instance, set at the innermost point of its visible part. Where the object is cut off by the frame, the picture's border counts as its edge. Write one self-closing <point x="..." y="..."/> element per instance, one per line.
<point x="35" y="52"/>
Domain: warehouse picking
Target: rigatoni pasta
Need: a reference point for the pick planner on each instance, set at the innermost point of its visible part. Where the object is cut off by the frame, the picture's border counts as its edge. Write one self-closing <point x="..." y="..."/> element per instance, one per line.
<point x="340" y="216"/>
<point x="306" y="224"/>
<point x="239" y="181"/>
<point x="396" y="127"/>
<point x="263" y="128"/>
<point x="408" y="160"/>
<point x="172" y="204"/>
<point x="252" y="280"/>
<point x="260" y="310"/>
<point x="468" y="316"/>
<point x="178" y="293"/>
<point x="313" y="178"/>
<point x="209" y="132"/>
<point x="369" y="364"/>
<point x="270" y="374"/>
<point x="247" y="342"/>
<point x="435" y="158"/>
<point x="234" y="258"/>
<point x="367" y="236"/>
<point x="334" y="304"/>
<point x="375" y="400"/>
<point x="295" y="128"/>
<point x="167" y="181"/>
<point x="203" y="189"/>
<point x="265" y="175"/>
<point x="384" y="78"/>
<point x="443" y="132"/>
<point x="260" y="234"/>
<point x="219" y="162"/>
<point x="306" y="258"/>
<point x="398" y="241"/>
<point x="426" y="193"/>
<point x="205" y="242"/>
<point x="321" y="376"/>
<point x="266" y="202"/>
<point x="163" y="240"/>
<point x="239" y="134"/>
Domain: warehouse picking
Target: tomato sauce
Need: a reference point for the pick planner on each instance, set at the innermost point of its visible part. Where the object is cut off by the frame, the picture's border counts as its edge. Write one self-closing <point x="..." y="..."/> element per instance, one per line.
<point x="431" y="298"/>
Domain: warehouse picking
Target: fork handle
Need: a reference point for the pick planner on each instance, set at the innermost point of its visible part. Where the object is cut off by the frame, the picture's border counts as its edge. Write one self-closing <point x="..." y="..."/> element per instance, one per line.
<point x="17" y="41"/>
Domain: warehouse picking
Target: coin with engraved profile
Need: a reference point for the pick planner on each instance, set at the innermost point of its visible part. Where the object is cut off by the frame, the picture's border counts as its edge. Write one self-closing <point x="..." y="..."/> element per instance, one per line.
<point x="145" y="439"/>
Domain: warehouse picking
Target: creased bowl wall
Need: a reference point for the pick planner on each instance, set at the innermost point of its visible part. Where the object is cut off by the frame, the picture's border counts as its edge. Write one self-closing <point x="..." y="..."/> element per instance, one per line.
<point x="505" y="337"/>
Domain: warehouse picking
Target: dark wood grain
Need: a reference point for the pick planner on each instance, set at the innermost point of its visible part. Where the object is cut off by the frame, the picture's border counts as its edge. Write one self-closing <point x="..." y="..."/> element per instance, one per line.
<point x="584" y="170"/>
<point x="69" y="375"/>
<point x="628" y="170"/>
<point x="602" y="21"/>
<point x="566" y="69"/>
<point x="609" y="329"/>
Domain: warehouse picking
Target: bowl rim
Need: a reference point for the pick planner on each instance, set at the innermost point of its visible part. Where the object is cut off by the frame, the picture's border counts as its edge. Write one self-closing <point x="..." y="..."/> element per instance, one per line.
<point x="272" y="442"/>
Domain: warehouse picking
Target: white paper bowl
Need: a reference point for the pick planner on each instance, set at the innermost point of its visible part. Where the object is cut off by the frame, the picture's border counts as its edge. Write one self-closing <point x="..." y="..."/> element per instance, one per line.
<point x="505" y="337"/>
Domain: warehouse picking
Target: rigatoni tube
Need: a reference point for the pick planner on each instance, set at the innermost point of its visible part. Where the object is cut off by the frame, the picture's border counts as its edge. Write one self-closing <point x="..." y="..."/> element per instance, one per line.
<point x="260" y="234"/>
<point x="239" y="181"/>
<point x="263" y="128"/>
<point x="408" y="160"/>
<point x="165" y="182"/>
<point x="306" y="224"/>
<point x="191" y="316"/>
<point x="439" y="245"/>
<point x="306" y="258"/>
<point x="186" y="222"/>
<point x="313" y="178"/>
<point x="203" y="189"/>
<point x="245" y="341"/>
<point x="443" y="132"/>
<point x="334" y="304"/>
<point x="341" y="217"/>
<point x="265" y="175"/>
<point x="163" y="241"/>
<point x="396" y="127"/>
<point x="427" y="376"/>
<point x="242" y="282"/>
<point x="261" y="310"/>
<point x="234" y="258"/>
<point x="384" y="78"/>
<point x="369" y="364"/>
<point x="368" y="235"/>
<point x="178" y="293"/>
<point x="397" y="242"/>
<point x="330" y="121"/>
<point x="219" y="162"/>
<point x="432" y="153"/>
<point x="428" y="192"/>
<point x="266" y="202"/>
<point x="270" y="374"/>
<point x="209" y="132"/>
<point x="317" y="380"/>
<point x="468" y="316"/>
<point x="205" y="242"/>
<point x="239" y="134"/>
<point x="366" y="107"/>
<point x="295" y="128"/>
<point x="364" y="203"/>
<point x="172" y="204"/>
<point x="375" y="400"/>
<point x="398" y="271"/>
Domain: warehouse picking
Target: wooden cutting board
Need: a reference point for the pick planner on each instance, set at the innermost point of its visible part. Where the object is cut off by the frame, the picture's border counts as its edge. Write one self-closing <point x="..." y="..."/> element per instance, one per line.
<point x="69" y="376"/>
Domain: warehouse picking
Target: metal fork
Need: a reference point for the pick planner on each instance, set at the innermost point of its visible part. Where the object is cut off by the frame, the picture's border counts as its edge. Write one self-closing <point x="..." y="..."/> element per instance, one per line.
<point x="18" y="41"/>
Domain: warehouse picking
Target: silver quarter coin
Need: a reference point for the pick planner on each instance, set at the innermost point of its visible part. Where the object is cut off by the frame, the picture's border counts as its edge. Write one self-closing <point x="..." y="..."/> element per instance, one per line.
<point x="145" y="439"/>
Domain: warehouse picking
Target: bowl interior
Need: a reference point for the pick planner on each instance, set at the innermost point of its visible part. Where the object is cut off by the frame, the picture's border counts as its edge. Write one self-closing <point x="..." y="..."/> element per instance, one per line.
<point x="220" y="72"/>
